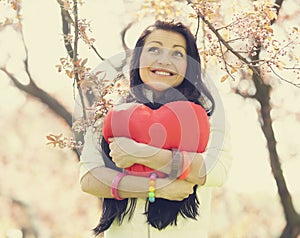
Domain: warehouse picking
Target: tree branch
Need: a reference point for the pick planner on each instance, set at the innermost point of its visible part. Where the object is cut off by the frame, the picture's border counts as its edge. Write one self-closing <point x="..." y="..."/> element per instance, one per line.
<point x="221" y="39"/>
<point x="66" y="22"/>
<point x="263" y="97"/>
<point x="125" y="47"/>
<point x="33" y="90"/>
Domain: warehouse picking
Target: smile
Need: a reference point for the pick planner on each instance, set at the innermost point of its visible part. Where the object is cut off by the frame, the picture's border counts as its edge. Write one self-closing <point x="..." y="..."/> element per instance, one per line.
<point x="162" y="72"/>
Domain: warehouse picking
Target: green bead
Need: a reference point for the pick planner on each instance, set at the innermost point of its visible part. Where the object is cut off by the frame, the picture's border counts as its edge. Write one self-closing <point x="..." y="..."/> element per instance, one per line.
<point x="151" y="195"/>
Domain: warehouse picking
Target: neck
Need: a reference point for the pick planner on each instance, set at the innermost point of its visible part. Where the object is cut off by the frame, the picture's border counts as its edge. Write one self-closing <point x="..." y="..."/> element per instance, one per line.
<point x="157" y="94"/>
<point x="153" y="95"/>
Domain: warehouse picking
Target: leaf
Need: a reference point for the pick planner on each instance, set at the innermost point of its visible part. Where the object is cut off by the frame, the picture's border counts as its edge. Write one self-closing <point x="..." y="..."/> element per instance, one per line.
<point x="295" y="29"/>
<point x="56" y="140"/>
<point x="233" y="70"/>
<point x="59" y="68"/>
<point x="224" y="78"/>
<point x="271" y="14"/>
<point x="280" y="65"/>
<point x="77" y="63"/>
<point x="192" y="15"/>
<point x="269" y="28"/>
<point x="250" y="71"/>
<point x="62" y="60"/>
<point x="14" y="5"/>
<point x="70" y="73"/>
<point x="84" y="62"/>
<point x="275" y="45"/>
<point x="51" y="138"/>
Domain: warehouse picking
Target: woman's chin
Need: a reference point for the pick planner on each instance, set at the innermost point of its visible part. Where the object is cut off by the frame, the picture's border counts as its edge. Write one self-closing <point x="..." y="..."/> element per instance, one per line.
<point x="158" y="86"/>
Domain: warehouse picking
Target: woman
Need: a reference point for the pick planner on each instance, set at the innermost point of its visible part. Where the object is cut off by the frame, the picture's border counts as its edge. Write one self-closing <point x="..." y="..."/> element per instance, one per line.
<point x="165" y="67"/>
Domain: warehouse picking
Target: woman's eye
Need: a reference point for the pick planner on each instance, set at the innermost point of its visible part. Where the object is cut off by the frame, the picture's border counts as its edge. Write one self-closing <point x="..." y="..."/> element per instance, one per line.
<point x="153" y="49"/>
<point x="178" y="54"/>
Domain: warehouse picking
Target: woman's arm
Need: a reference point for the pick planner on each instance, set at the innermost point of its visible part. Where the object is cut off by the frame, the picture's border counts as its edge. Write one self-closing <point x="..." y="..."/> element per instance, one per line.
<point x="98" y="183"/>
<point x="125" y="152"/>
<point x="96" y="179"/>
<point x="209" y="168"/>
<point x="217" y="157"/>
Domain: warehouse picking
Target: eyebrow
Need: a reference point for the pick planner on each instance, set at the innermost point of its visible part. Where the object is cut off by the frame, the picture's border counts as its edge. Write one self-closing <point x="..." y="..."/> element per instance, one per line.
<point x="158" y="42"/>
<point x="179" y="46"/>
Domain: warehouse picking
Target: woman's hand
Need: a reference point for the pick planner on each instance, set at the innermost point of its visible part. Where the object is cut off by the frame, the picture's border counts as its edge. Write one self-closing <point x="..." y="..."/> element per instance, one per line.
<point x="176" y="190"/>
<point x="197" y="173"/>
<point x="125" y="152"/>
<point x="122" y="151"/>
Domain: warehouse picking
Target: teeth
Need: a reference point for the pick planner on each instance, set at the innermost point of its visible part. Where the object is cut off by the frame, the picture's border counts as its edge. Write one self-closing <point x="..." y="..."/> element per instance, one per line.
<point x="162" y="73"/>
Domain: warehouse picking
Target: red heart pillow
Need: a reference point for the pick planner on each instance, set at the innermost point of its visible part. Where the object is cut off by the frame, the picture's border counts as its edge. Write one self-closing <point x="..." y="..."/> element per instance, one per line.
<point x="181" y="125"/>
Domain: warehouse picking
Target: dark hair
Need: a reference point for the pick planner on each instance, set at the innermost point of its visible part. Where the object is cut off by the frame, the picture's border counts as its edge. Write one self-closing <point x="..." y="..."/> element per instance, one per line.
<point x="162" y="212"/>
<point x="192" y="88"/>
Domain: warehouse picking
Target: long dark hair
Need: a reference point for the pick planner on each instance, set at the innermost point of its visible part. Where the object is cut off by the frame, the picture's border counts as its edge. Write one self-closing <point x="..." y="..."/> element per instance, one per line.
<point x="192" y="88"/>
<point x="162" y="212"/>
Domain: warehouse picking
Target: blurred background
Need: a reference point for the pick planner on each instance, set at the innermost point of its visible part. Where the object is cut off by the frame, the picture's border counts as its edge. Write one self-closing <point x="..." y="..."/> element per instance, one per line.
<point x="40" y="194"/>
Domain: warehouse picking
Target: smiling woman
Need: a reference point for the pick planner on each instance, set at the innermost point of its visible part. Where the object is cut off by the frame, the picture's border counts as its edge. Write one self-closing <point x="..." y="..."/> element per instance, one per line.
<point x="163" y="60"/>
<point x="150" y="164"/>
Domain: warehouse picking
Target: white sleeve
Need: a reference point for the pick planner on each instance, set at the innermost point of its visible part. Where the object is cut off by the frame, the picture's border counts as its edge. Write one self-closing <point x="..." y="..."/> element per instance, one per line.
<point x="91" y="155"/>
<point x="217" y="157"/>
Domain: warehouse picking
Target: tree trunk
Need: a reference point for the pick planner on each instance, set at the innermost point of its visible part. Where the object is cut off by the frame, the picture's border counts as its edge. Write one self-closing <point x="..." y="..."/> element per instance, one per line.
<point x="262" y="95"/>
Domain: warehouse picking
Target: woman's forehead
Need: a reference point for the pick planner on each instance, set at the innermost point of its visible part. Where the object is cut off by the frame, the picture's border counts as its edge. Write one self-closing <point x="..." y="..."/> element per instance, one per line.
<point x="166" y="38"/>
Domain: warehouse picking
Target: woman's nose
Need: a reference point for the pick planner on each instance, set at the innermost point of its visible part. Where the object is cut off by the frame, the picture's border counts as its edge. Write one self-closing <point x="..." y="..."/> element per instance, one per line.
<point x="164" y="58"/>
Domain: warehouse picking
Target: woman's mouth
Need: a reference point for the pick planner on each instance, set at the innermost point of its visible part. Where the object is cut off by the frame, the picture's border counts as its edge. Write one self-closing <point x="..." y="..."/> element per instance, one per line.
<point x="162" y="72"/>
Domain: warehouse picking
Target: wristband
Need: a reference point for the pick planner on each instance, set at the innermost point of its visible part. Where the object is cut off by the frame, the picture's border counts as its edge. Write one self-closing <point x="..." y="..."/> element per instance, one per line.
<point x="176" y="156"/>
<point x="152" y="183"/>
<point x="114" y="186"/>
<point x="186" y="168"/>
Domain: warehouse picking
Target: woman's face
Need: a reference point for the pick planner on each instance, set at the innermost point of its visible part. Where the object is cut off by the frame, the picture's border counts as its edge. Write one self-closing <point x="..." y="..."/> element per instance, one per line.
<point x="163" y="60"/>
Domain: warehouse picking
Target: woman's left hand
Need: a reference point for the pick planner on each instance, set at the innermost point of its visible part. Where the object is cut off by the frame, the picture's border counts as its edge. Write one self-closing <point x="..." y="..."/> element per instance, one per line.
<point x="123" y="151"/>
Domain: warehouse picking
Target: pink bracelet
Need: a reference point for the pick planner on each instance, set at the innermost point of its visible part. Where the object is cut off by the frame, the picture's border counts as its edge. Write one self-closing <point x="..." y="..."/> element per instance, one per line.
<point x="114" y="186"/>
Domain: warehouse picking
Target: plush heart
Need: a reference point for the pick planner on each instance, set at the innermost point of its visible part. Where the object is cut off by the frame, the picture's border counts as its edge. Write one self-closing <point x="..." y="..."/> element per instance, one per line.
<point x="181" y="125"/>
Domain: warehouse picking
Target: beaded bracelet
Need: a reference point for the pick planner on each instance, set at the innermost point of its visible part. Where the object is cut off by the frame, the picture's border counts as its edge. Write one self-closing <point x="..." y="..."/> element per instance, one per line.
<point x="114" y="186"/>
<point x="186" y="168"/>
<point x="152" y="183"/>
